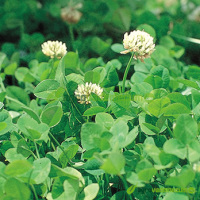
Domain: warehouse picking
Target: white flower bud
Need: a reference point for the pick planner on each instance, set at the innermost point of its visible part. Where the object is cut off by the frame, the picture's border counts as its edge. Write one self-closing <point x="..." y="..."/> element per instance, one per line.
<point x="139" y="42"/>
<point x="82" y="93"/>
<point x="54" y="49"/>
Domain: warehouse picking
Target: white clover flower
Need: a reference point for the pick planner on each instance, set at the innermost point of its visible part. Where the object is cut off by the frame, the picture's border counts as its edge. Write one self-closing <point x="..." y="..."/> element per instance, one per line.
<point x="139" y="42"/>
<point x="54" y="49"/>
<point x="83" y="92"/>
<point x="71" y="14"/>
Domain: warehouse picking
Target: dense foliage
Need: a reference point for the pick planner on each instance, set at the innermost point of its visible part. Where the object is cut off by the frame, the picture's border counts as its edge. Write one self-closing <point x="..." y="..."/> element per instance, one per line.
<point x="131" y="139"/>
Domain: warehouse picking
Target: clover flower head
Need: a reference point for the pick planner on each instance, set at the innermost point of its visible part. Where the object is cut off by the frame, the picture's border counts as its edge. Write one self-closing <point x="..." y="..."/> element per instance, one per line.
<point x="83" y="92"/>
<point x="71" y="14"/>
<point x="139" y="42"/>
<point x="54" y="49"/>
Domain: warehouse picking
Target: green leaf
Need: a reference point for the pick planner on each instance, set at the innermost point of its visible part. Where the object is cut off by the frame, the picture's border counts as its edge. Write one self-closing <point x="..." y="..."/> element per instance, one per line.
<point x="186" y="129"/>
<point x="23" y="74"/>
<point x="176" y="97"/>
<point x="71" y="60"/>
<point x="18" y="167"/>
<point x="71" y="188"/>
<point x="123" y="100"/>
<point x="47" y="89"/>
<point x="89" y="131"/>
<point x="177" y="51"/>
<point x="41" y="170"/>
<point x="154" y="80"/>
<point x="175" y="147"/>
<point x="117" y="47"/>
<point x="52" y="115"/>
<point x="122" y="19"/>
<point x="182" y="180"/>
<point x="92" y="76"/>
<point x="18" y="94"/>
<point x="99" y="46"/>
<point x="167" y="42"/>
<point x="156" y="106"/>
<point x="70" y="152"/>
<point x="147" y="174"/>
<point x="31" y="113"/>
<point x="12" y="155"/>
<point x="193" y="72"/>
<point x="93" y="111"/>
<point x="147" y="28"/>
<point x="114" y="163"/>
<point x="175" y="110"/>
<point x="104" y="119"/>
<point x="194" y="151"/>
<point x="10" y="69"/>
<point x="89" y="192"/>
<point x="5" y="122"/>
<point x="17" y="190"/>
<point x="32" y="129"/>
<point x="177" y="196"/>
<point x="188" y="83"/>
<point x="141" y="88"/>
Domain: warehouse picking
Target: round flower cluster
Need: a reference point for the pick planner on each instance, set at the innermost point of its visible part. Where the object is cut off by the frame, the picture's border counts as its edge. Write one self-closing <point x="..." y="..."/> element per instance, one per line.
<point x="139" y="42"/>
<point x="54" y="49"/>
<point x="83" y="92"/>
<point x="70" y="14"/>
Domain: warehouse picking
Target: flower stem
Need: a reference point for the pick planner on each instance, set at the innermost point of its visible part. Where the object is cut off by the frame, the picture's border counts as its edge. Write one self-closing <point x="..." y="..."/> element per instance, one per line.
<point x="71" y="33"/>
<point x="126" y="186"/>
<point x="37" y="152"/>
<point x="126" y="73"/>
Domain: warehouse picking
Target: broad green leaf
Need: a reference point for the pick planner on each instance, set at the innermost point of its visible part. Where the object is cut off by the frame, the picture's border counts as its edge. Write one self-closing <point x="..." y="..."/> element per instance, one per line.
<point x="156" y="106"/>
<point x="104" y="119"/>
<point x="93" y="77"/>
<point x="167" y="42"/>
<point x="114" y="163"/>
<point x="10" y="69"/>
<point x="117" y="47"/>
<point x="46" y="89"/>
<point x="52" y="115"/>
<point x="186" y="129"/>
<point x="1" y="105"/>
<point x="194" y="151"/>
<point x="99" y="46"/>
<point x="93" y="111"/>
<point x="154" y="80"/>
<point x="147" y="28"/>
<point x="5" y="122"/>
<point x="175" y="110"/>
<point x="177" y="51"/>
<point x="177" y="196"/>
<point x="71" y="60"/>
<point x="71" y="188"/>
<point x="23" y="74"/>
<point x="141" y="88"/>
<point x="147" y="174"/>
<point x="68" y="154"/>
<point x="17" y="190"/>
<point x="89" y="131"/>
<point x="18" y="94"/>
<point x="68" y="172"/>
<point x="89" y="192"/>
<point x="102" y="72"/>
<point x="32" y="129"/>
<point x="175" y="147"/>
<point x="31" y="113"/>
<point x="41" y="170"/>
<point x="189" y="83"/>
<point x="12" y="155"/>
<point x="122" y="19"/>
<point x="18" y="167"/>
<point x="193" y="72"/>
<point x="182" y="180"/>
<point x="177" y="97"/>
<point x="123" y="100"/>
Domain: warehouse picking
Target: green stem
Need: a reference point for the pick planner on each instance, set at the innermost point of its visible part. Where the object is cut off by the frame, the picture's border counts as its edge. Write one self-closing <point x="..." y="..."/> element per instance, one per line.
<point x="34" y="192"/>
<point x="71" y="33"/>
<point x="37" y="152"/>
<point x="126" y="186"/>
<point x="51" y="65"/>
<point x="126" y="73"/>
